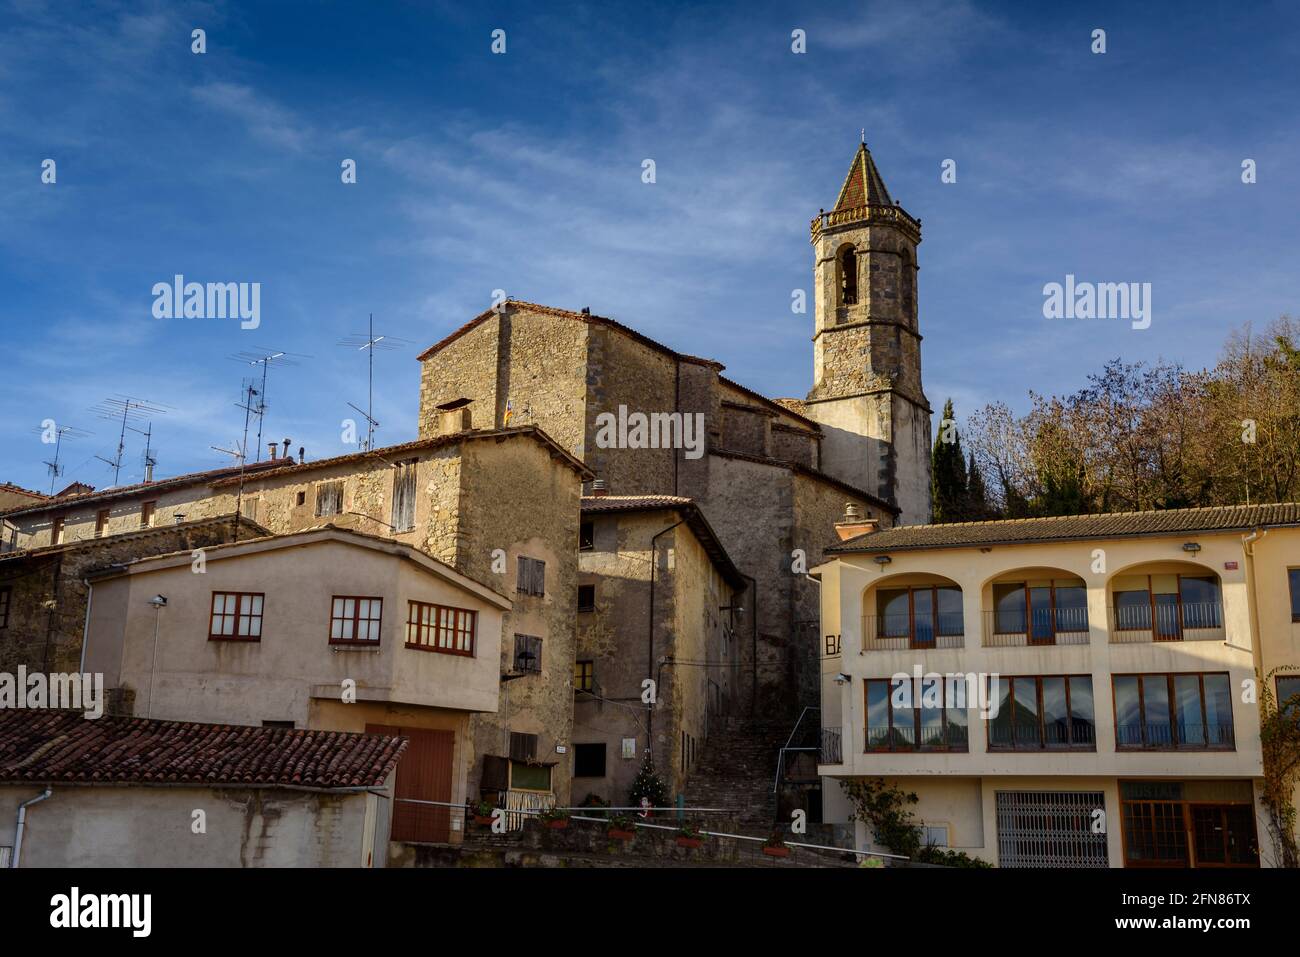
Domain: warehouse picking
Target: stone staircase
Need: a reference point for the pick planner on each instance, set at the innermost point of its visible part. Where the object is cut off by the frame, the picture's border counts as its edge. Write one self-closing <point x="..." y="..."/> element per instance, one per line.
<point x="735" y="771"/>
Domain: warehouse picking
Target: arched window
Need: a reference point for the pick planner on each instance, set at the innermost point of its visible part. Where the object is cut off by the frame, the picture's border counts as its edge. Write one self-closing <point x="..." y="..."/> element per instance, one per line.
<point x="848" y="277"/>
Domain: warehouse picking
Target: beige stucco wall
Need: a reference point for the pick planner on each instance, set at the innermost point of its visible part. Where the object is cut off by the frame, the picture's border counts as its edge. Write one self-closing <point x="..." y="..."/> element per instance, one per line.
<point x="849" y="586"/>
<point x="132" y="826"/>
<point x="194" y="678"/>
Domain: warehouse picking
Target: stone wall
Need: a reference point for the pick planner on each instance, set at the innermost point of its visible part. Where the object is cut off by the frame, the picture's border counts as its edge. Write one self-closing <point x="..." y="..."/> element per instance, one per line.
<point x="518" y="498"/>
<point x="48" y="599"/>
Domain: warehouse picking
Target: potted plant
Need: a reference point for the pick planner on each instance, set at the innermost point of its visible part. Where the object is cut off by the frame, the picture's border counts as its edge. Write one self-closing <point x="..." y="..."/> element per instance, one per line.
<point x="555" y="819"/>
<point x="688" y="835"/>
<point x="483" y="813"/>
<point x="621" y="828"/>
<point x="775" y="846"/>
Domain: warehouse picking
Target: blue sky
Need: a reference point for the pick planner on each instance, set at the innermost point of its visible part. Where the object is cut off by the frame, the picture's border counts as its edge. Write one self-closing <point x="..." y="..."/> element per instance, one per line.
<point x="523" y="172"/>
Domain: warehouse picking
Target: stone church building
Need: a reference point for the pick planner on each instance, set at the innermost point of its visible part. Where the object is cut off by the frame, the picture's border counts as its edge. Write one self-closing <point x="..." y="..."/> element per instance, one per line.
<point x="777" y="473"/>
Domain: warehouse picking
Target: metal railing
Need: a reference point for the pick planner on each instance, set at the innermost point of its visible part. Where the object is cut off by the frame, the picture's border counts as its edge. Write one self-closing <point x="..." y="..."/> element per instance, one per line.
<point x="791" y="746"/>
<point x="1020" y="627"/>
<point x="644" y="825"/>
<point x="933" y="737"/>
<point x="831" y="751"/>
<point x="908" y="632"/>
<point x="1193" y="621"/>
<point x="1163" y="736"/>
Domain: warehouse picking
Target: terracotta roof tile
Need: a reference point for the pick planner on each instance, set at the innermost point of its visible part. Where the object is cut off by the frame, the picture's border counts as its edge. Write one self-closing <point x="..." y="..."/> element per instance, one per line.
<point x="1060" y="528"/>
<point x="64" y="746"/>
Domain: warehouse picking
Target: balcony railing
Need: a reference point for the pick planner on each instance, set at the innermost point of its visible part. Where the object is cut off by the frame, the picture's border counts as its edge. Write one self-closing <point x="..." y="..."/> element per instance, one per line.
<point x="830" y="749"/>
<point x="1194" y="621"/>
<point x="904" y="632"/>
<point x="1019" y="628"/>
<point x="1176" y="737"/>
<point x="933" y="737"/>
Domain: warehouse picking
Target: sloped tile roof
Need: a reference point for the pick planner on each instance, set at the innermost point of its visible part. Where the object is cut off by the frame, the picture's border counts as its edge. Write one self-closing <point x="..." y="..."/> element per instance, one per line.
<point x="46" y="746"/>
<point x="1063" y="528"/>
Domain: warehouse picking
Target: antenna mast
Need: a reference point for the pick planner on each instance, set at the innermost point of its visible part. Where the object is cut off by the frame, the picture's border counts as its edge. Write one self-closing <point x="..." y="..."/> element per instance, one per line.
<point x="370" y="343"/>
<point x="53" y="466"/>
<point x="264" y="360"/>
<point x="129" y="409"/>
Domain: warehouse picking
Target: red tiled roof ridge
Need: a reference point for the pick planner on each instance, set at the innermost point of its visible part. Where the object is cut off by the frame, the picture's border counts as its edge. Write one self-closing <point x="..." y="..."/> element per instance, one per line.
<point x="433" y="441"/>
<point x="1031" y="519"/>
<point x="65" y="746"/>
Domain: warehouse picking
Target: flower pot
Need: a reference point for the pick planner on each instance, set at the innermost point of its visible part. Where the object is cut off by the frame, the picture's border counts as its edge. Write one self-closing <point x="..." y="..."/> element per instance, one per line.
<point x="620" y="835"/>
<point x="480" y="819"/>
<point x="777" y="851"/>
<point x="690" y="842"/>
<point x="558" y="825"/>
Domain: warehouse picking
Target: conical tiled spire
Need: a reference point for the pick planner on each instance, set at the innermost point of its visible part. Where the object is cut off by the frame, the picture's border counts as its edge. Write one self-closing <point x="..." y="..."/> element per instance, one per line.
<point x="863" y="187"/>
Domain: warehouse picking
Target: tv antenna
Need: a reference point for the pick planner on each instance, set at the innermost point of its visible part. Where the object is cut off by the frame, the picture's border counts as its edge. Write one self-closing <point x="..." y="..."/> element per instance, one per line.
<point x="131" y="411"/>
<point x="53" y="466"/>
<point x="265" y="360"/>
<point x="370" y="344"/>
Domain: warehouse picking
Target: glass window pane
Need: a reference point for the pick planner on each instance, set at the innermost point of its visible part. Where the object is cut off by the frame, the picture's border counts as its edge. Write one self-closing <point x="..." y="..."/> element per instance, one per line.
<point x="894" y="609"/>
<point x="1000" y="735"/>
<point x="1218" y="710"/>
<point x="1202" y="607"/>
<point x="257" y="604"/>
<point x="931" y="707"/>
<point x="1071" y="608"/>
<point x="1026" y="718"/>
<point x="1128" y="713"/>
<point x="1288" y="687"/>
<point x="1293" y="580"/>
<point x="950" y="611"/>
<point x="1155" y="702"/>
<point x="923" y="615"/>
<point x="1083" y="725"/>
<point x="1133" y="610"/>
<point x="1056" y="719"/>
<point x="877" y="714"/>
<point x="1009" y="601"/>
<point x="1187" y="704"/>
<point x="902" y="700"/>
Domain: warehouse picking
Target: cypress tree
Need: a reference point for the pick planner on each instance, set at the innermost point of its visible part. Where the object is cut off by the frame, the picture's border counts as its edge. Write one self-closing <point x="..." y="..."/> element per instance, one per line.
<point x="948" y="493"/>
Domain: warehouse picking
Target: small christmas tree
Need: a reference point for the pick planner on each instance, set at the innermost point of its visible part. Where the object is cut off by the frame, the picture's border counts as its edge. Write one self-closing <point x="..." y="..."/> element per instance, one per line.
<point x="648" y="785"/>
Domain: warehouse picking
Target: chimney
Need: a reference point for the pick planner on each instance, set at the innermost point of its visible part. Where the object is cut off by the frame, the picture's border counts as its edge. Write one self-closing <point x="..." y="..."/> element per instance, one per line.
<point x="287" y="454"/>
<point x="272" y="447"/>
<point x="148" y="472"/>
<point x="854" y="523"/>
<point x="599" y="489"/>
<point x="301" y="457"/>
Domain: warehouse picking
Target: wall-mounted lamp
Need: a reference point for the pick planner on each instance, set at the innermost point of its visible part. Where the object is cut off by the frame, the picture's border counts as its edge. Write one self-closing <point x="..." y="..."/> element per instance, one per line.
<point x="842" y="678"/>
<point x="882" y="560"/>
<point x="158" y="601"/>
<point x="1192" y="547"/>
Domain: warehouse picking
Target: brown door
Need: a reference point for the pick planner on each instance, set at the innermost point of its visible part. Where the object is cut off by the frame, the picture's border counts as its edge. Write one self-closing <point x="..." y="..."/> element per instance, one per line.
<point x="423" y="774"/>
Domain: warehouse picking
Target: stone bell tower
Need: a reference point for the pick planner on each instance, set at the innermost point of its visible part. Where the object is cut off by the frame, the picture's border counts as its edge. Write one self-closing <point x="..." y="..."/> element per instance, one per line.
<point x="866" y="390"/>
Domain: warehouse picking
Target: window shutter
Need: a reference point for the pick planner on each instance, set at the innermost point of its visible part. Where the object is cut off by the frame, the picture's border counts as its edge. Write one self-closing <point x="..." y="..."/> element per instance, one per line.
<point x="404" y="497"/>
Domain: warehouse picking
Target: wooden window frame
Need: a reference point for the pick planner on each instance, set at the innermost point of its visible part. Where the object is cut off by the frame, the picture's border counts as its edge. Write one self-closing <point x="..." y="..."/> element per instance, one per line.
<point x="6" y="601"/>
<point x="911" y="590"/>
<point x="1043" y="746"/>
<point x="405" y="499"/>
<point x="584" y="678"/>
<point x="537" y="670"/>
<point x="102" y="518"/>
<point x="1293" y="588"/>
<point x="56" y="530"/>
<point x="1171" y="697"/>
<point x="433" y="629"/>
<point x="1187" y="809"/>
<point x="356" y="620"/>
<point x="916" y="748"/>
<point x="524" y="582"/>
<point x="240" y="597"/>
<point x="330" y="486"/>
<point x="1151" y="602"/>
<point x="1277" y="685"/>
<point x="147" y="511"/>
<point x="1029" y="613"/>
<point x="586" y="536"/>
<point x="590" y="607"/>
